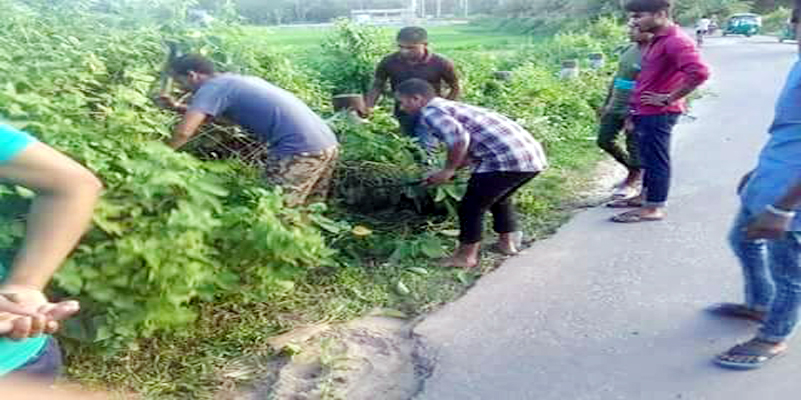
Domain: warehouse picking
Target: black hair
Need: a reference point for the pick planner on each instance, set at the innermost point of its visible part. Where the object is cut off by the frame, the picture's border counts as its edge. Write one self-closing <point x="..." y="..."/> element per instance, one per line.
<point x="651" y="6"/>
<point x="413" y="34"/>
<point x="192" y="62"/>
<point x="416" y="87"/>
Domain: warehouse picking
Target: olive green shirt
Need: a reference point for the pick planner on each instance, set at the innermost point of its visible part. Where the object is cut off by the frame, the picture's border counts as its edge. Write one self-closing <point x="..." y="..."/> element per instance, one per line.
<point x="628" y="69"/>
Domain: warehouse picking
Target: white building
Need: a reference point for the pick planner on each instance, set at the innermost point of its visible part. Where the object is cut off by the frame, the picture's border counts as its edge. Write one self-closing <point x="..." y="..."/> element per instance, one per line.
<point x="383" y="17"/>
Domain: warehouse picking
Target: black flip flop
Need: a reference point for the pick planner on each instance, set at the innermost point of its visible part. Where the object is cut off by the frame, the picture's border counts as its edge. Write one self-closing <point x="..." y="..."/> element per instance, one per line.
<point x="758" y="350"/>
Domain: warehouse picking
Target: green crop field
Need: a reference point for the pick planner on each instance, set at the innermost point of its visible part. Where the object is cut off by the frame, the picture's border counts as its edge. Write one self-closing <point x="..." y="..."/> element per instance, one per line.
<point x="442" y="38"/>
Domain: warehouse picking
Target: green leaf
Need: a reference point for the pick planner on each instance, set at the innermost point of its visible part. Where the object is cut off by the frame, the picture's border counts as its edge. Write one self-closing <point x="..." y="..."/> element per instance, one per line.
<point x="432" y="248"/>
<point x="402" y="289"/>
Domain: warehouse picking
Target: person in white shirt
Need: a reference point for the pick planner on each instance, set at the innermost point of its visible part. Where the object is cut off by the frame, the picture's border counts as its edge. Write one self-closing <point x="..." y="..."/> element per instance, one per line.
<point x="702" y="29"/>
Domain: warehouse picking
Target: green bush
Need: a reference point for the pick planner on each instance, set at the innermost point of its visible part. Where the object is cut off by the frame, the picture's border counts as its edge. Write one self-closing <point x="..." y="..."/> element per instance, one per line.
<point x="170" y="231"/>
<point x="349" y="56"/>
<point x="776" y="20"/>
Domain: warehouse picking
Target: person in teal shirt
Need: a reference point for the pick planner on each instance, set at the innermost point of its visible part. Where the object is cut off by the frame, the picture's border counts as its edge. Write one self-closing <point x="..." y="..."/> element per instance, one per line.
<point x="66" y="194"/>
<point x="615" y="112"/>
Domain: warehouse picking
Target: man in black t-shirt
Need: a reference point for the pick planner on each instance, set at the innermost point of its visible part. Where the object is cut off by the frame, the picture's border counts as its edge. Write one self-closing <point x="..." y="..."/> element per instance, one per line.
<point x="413" y="60"/>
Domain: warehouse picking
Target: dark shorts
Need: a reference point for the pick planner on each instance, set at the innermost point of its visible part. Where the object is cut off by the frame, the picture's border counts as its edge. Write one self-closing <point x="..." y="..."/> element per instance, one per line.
<point x="46" y="367"/>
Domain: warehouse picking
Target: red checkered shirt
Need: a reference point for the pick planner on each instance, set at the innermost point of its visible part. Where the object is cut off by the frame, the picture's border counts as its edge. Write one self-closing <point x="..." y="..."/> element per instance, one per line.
<point x="496" y="143"/>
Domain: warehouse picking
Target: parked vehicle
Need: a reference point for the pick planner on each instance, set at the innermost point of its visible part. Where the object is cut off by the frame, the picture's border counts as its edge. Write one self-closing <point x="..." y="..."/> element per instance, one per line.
<point x="747" y="24"/>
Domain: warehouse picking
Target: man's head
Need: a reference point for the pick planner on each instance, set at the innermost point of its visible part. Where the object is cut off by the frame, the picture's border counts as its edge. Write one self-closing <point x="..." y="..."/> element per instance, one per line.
<point x="191" y="70"/>
<point x="414" y="94"/>
<point x="638" y="36"/>
<point x="649" y="15"/>
<point x="413" y="42"/>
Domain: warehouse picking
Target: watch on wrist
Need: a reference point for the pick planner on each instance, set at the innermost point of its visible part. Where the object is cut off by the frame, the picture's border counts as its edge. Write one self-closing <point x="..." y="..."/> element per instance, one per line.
<point x="789" y="214"/>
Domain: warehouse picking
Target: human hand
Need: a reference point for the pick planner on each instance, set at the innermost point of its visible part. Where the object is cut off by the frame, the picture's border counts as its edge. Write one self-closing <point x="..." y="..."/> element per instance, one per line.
<point x="768" y="226"/>
<point x="366" y="112"/>
<point x="167" y="101"/>
<point x="26" y="312"/>
<point x="655" y="99"/>
<point x="440" y="177"/>
<point x="628" y="126"/>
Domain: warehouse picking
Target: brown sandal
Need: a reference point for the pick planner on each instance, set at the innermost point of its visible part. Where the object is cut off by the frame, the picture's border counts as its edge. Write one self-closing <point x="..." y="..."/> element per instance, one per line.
<point x="633" y="217"/>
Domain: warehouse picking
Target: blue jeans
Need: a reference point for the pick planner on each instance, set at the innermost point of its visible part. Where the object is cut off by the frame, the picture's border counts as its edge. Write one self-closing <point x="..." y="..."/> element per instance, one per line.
<point x="653" y="136"/>
<point x="772" y="274"/>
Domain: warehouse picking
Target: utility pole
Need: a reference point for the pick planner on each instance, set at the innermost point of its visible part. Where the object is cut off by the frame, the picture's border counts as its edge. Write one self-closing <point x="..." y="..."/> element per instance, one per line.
<point x="439" y="9"/>
<point x="423" y="9"/>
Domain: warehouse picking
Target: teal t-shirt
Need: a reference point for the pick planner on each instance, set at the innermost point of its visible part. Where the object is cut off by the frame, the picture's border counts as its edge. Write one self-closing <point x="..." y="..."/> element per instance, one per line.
<point x="14" y="354"/>
<point x="629" y="68"/>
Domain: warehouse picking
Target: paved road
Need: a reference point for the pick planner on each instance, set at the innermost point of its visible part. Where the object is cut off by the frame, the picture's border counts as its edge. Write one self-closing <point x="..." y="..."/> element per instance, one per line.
<point x="605" y="311"/>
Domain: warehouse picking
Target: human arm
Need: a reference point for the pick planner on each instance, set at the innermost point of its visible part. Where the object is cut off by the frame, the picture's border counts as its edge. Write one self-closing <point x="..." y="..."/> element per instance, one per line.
<point x="607" y="100"/>
<point x="775" y="221"/>
<point x="689" y="62"/>
<point x="379" y="83"/>
<point x="66" y="194"/>
<point x="185" y="130"/>
<point x="451" y="78"/>
<point x="458" y="141"/>
<point x="210" y="101"/>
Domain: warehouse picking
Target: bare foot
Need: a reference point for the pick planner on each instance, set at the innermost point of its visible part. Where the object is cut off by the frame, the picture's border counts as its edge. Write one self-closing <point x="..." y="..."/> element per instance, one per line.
<point x="509" y="243"/>
<point x="458" y="262"/>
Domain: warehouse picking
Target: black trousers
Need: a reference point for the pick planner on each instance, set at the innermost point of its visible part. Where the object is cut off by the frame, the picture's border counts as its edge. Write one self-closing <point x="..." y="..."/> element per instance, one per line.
<point x="491" y="191"/>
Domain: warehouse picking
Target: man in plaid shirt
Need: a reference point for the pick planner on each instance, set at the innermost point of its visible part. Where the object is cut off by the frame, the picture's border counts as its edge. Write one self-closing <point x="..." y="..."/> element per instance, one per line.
<point x="504" y="157"/>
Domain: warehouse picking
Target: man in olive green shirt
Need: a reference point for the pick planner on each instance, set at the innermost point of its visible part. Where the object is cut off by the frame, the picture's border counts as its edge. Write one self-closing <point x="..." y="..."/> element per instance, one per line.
<point x="615" y="112"/>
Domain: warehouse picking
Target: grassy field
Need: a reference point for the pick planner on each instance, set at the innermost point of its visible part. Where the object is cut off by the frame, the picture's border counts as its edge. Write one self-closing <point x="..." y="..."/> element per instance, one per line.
<point x="442" y="38"/>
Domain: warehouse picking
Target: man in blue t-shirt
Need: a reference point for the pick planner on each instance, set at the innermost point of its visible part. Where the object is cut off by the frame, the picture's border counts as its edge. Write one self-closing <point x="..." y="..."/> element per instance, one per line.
<point x="302" y="148"/>
<point x="61" y="211"/>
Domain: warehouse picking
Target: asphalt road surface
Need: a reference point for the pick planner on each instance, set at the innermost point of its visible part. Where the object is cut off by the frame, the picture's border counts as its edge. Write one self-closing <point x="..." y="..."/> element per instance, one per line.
<point x="606" y="311"/>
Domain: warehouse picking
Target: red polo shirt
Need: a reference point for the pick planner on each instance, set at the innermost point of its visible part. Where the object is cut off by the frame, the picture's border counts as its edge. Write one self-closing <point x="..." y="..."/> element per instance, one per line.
<point x="668" y="62"/>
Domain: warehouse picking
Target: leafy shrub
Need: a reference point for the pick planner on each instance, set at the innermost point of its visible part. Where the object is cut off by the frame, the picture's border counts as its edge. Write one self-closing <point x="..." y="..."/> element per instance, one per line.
<point x="170" y="231"/>
<point x="349" y="56"/>
<point x="775" y="21"/>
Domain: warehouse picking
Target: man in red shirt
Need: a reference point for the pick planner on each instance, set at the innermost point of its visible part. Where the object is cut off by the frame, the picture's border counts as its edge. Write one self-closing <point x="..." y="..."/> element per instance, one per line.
<point x="671" y="69"/>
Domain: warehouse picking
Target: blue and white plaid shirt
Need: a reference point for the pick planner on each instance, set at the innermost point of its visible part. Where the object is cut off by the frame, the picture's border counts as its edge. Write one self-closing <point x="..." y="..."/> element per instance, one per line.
<point x="495" y="143"/>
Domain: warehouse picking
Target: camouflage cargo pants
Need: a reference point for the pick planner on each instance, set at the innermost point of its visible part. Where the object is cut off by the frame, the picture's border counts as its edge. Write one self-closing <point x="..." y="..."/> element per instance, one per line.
<point x="304" y="176"/>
